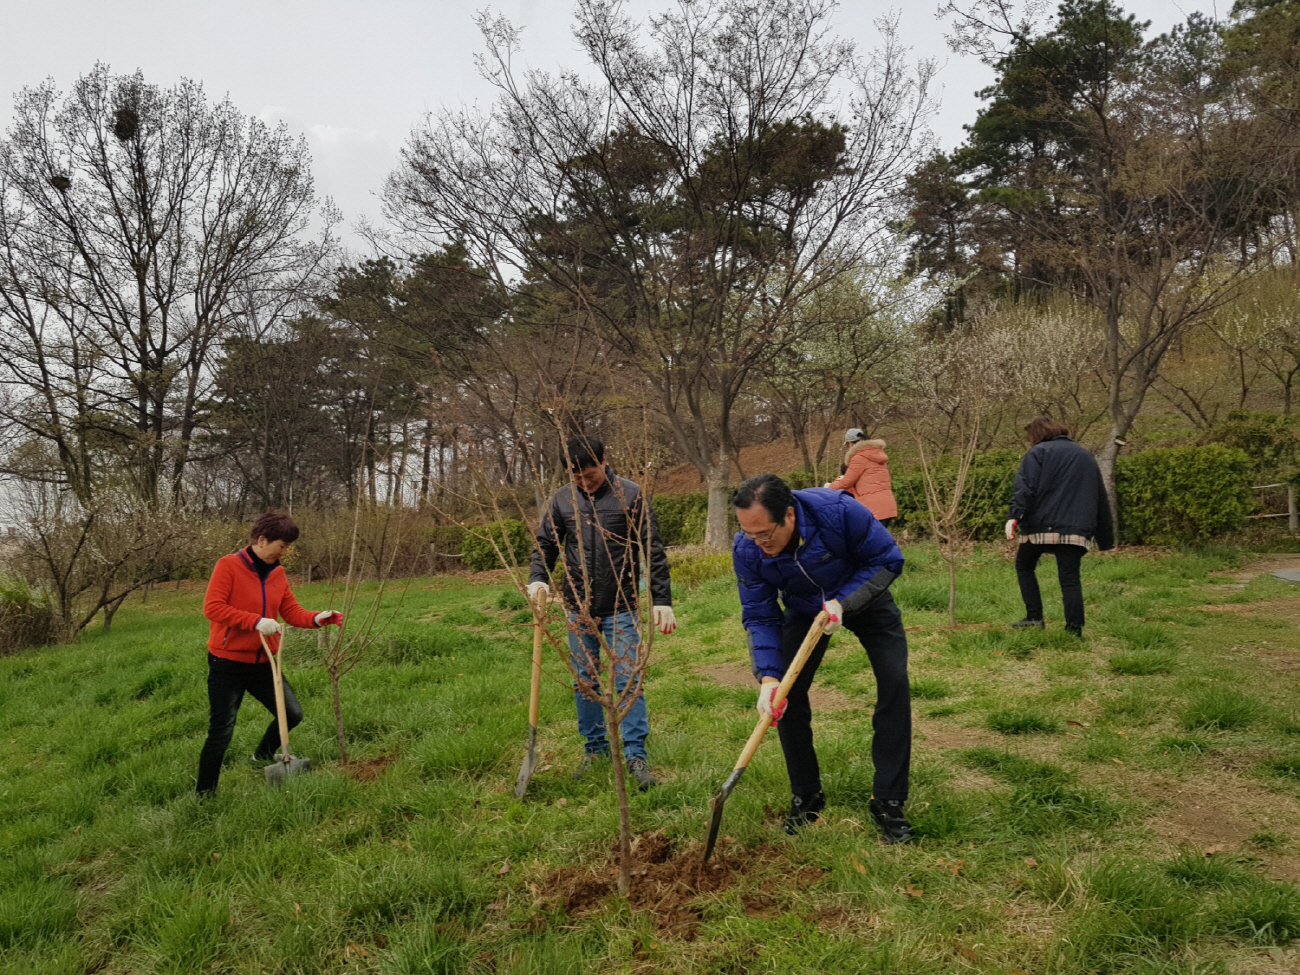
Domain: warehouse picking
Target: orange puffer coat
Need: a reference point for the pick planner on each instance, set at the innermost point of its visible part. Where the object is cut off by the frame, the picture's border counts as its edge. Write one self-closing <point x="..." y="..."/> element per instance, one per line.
<point x="868" y="478"/>
<point x="237" y="598"/>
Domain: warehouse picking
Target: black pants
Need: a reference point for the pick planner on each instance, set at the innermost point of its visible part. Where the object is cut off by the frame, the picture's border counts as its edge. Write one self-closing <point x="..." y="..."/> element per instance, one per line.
<point x="880" y="630"/>
<point x="227" y="682"/>
<point x="1068" y="558"/>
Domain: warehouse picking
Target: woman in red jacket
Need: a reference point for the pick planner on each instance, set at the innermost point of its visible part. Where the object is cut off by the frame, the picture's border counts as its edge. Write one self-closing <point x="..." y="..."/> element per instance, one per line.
<point x="866" y="474"/>
<point x="246" y="595"/>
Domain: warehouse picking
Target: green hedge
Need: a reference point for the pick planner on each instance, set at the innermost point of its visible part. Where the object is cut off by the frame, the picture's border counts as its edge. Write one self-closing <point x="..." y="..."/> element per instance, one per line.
<point x="510" y="536"/>
<point x="1166" y="495"/>
<point x="1182" y="494"/>
<point x="984" y="499"/>
<point x="681" y="517"/>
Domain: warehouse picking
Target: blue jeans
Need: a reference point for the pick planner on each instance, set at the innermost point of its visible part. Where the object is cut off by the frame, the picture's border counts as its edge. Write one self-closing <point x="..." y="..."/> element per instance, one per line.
<point x="622" y="638"/>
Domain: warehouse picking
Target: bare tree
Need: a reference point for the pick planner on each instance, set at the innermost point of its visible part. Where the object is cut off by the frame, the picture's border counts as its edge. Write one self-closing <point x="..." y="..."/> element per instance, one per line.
<point x="91" y="557"/>
<point x="731" y="160"/>
<point x="136" y="225"/>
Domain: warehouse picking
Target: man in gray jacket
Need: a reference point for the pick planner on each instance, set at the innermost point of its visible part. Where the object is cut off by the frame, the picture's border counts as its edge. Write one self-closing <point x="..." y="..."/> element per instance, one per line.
<point x="605" y="525"/>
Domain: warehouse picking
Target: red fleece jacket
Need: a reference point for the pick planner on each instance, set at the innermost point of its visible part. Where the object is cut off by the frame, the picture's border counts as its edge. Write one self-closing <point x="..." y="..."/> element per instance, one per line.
<point x="237" y="598"/>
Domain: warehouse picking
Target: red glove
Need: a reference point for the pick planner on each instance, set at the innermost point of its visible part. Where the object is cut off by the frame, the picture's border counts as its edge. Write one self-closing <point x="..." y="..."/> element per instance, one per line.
<point x="765" y="694"/>
<point x="329" y="618"/>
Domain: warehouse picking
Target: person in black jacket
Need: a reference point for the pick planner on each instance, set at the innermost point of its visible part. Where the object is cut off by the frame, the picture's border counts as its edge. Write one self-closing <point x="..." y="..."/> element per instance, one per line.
<point x="605" y="524"/>
<point x="1060" y="505"/>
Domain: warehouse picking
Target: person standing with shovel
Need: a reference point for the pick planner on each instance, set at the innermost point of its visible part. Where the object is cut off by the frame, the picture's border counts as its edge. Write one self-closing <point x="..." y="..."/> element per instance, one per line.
<point x="798" y="554"/>
<point x="605" y="524"/>
<point x="247" y="595"/>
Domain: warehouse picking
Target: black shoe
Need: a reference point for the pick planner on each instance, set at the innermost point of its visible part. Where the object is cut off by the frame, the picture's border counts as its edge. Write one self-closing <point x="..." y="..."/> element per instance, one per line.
<point x="1026" y="623"/>
<point x="888" y="814"/>
<point x="803" y="812"/>
<point x="588" y="760"/>
<point x="1074" y="630"/>
<point x="641" y="772"/>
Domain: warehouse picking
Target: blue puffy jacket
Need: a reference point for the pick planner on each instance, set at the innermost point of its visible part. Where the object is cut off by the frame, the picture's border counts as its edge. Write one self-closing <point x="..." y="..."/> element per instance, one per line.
<point x="841" y="546"/>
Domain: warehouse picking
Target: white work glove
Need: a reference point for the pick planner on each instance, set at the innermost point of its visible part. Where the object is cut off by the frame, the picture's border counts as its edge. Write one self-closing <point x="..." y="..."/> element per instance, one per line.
<point x="835" y="614"/>
<point x="537" y="589"/>
<point x="329" y="618"/>
<point x="828" y="484"/>
<point x="1011" y="528"/>
<point x="269" y="627"/>
<point x="765" y="695"/>
<point x="665" y="621"/>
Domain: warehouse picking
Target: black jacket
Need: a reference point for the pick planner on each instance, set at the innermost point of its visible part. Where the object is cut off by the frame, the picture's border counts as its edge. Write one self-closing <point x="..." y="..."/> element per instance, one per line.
<point x="608" y="531"/>
<point x="1059" y="489"/>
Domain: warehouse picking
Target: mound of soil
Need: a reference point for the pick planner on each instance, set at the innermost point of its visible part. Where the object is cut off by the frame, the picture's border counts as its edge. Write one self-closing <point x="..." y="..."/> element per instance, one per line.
<point x="369" y="769"/>
<point x="667" y="884"/>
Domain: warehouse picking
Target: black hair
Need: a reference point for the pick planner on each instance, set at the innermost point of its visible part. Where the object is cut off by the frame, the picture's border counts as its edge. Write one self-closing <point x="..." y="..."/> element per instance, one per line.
<point x="768" y="490"/>
<point x="274" y="527"/>
<point x="584" y="452"/>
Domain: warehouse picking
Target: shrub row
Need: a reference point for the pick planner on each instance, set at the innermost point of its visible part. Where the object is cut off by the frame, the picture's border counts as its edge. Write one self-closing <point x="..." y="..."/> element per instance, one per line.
<point x="1166" y="496"/>
<point x="1183" y="494"/>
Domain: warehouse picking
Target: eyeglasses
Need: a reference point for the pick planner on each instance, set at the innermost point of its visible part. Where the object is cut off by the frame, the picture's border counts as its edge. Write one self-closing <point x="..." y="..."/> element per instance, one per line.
<point x="761" y="537"/>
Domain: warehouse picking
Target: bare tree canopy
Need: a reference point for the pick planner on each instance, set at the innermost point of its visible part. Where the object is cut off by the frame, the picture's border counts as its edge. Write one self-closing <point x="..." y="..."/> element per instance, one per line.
<point x="139" y="226"/>
<point x="730" y="160"/>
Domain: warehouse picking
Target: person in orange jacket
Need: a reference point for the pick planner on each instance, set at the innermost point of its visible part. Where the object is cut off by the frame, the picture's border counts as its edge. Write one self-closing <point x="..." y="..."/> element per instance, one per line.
<point x="866" y="474"/>
<point x="247" y="594"/>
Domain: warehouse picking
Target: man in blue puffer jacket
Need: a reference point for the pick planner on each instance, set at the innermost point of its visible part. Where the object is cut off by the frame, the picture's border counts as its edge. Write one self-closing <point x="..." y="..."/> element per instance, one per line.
<point x="820" y="549"/>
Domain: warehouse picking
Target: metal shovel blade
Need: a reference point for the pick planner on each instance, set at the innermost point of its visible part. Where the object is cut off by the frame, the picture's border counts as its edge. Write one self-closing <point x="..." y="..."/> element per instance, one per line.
<point x="529" y="766"/>
<point x="715" y="820"/>
<point x="278" y="772"/>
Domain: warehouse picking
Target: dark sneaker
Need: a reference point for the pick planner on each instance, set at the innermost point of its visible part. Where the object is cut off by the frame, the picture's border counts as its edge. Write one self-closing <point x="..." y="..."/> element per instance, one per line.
<point x="641" y="772"/>
<point x="1074" y="630"/>
<point x="588" y="760"/>
<point x="1026" y="623"/>
<point x="803" y="812"/>
<point x="888" y="814"/>
<point x="257" y="758"/>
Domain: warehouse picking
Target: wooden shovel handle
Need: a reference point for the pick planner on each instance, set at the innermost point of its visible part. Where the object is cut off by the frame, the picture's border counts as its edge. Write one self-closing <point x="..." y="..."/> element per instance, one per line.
<point x="791" y="675"/>
<point x="539" y="629"/>
<point x="278" y="678"/>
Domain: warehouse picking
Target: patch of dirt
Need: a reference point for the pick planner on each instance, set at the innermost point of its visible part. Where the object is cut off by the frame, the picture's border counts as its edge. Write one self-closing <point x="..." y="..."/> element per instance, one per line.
<point x="780" y="456"/>
<point x="1220" y="816"/>
<point x="1286" y="606"/>
<point x="821" y="698"/>
<point x="937" y="734"/>
<point x="371" y="768"/>
<point x="668" y="884"/>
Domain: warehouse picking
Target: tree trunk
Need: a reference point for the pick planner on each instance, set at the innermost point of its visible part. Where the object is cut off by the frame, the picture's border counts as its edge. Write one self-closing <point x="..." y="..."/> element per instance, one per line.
<point x="715" y="530"/>
<point x="620" y="777"/>
<point x="338" y="714"/>
<point x="952" y="589"/>
<point x="1106" y="461"/>
<point x="425" y="461"/>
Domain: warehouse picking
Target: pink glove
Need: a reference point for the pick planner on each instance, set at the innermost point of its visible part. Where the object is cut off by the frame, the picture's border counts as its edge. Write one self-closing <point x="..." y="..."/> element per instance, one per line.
<point x="764" y="706"/>
<point x="329" y="618"/>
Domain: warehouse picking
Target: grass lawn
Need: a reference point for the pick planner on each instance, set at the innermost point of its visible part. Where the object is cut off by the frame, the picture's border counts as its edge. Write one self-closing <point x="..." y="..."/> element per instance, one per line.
<point x="1128" y="803"/>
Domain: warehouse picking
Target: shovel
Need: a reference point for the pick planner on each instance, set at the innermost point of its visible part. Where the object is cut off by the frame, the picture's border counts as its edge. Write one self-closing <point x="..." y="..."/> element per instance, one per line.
<point x="764" y="722"/>
<point x="534" y="698"/>
<point x="287" y="765"/>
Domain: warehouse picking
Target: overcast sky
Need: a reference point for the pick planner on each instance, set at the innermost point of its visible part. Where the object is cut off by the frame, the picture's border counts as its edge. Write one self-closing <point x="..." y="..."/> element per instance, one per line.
<point x="356" y="75"/>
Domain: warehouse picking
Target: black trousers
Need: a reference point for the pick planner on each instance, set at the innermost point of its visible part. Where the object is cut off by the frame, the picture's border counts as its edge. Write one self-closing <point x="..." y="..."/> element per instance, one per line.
<point x="1068" y="559"/>
<point x="227" y="682"/>
<point x="879" y="628"/>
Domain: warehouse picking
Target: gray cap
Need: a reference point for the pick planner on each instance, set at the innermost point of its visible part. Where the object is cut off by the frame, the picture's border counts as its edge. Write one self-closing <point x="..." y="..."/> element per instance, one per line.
<point x="853" y="435"/>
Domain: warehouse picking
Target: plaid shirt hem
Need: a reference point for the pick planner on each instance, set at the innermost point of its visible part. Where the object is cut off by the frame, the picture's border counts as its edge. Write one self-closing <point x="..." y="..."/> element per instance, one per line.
<point x="1056" y="538"/>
